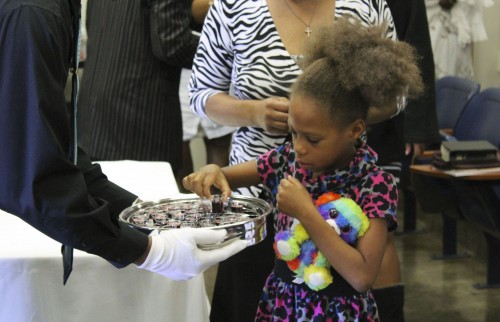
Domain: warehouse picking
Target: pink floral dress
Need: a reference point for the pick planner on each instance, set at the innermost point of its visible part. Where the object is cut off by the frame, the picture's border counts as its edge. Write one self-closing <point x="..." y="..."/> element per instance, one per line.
<point x="371" y="188"/>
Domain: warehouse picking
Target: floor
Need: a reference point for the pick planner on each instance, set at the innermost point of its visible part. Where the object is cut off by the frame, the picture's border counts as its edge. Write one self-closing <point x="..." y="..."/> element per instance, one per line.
<point x="438" y="290"/>
<point x="443" y="290"/>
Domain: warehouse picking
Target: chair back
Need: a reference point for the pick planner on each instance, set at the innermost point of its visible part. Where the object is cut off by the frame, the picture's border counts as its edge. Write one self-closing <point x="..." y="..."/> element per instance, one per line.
<point x="480" y="200"/>
<point x="452" y="94"/>
<point x="480" y="119"/>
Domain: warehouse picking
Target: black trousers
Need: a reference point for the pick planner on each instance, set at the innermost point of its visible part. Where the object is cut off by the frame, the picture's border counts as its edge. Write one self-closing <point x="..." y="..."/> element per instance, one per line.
<point x="390" y="303"/>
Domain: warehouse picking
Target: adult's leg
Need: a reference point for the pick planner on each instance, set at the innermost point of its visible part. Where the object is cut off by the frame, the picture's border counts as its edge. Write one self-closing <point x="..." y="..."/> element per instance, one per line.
<point x="390" y="301"/>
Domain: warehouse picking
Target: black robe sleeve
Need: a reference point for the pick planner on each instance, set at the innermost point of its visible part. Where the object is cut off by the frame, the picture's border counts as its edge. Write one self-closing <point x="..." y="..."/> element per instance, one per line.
<point x="73" y="204"/>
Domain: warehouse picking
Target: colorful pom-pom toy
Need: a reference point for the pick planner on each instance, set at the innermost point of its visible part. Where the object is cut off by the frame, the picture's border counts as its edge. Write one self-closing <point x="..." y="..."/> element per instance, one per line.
<point x="303" y="257"/>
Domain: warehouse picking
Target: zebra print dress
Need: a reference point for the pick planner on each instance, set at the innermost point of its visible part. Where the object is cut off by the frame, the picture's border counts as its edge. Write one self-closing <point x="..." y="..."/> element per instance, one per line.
<point x="241" y="45"/>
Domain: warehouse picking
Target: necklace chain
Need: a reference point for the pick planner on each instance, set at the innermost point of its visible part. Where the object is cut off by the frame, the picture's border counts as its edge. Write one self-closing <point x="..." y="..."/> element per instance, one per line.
<point x="308" y="29"/>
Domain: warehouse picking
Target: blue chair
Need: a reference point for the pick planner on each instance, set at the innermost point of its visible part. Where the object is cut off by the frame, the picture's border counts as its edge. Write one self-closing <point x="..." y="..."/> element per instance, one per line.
<point x="452" y="94"/>
<point x="479" y="200"/>
<point x="435" y="195"/>
<point x="481" y="119"/>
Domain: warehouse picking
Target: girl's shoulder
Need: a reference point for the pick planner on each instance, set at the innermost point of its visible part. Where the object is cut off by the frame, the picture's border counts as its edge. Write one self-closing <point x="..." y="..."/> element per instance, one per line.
<point x="279" y="154"/>
<point x="370" y="173"/>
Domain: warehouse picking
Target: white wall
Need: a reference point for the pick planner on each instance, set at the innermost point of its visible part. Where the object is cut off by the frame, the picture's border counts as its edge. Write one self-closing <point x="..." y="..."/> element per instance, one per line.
<point x="486" y="54"/>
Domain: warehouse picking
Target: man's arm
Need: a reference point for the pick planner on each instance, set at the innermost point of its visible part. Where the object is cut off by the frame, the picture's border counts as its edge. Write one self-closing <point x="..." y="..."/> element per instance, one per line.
<point x="39" y="182"/>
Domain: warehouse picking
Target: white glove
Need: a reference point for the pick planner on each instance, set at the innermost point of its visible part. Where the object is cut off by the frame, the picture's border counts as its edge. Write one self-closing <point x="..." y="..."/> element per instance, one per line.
<point x="175" y="254"/>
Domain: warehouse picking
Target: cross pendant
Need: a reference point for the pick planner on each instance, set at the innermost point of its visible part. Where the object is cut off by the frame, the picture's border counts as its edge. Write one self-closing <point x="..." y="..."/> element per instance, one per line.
<point x="308" y="31"/>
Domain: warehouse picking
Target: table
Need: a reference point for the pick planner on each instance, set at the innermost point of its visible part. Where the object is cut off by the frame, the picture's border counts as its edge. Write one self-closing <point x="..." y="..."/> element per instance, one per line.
<point x="31" y="273"/>
<point x="485" y="174"/>
<point x="438" y="194"/>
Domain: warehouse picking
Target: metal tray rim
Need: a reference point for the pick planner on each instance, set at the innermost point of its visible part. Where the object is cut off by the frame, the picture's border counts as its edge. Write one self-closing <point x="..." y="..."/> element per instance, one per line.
<point x="264" y="205"/>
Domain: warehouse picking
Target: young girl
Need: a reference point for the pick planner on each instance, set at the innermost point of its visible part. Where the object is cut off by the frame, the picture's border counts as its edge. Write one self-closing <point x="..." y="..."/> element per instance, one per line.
<point x="348" y="69"/>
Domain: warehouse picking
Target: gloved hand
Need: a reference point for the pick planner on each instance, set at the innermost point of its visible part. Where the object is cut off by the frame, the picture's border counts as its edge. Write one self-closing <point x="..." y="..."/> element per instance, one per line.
<point x="175" y="254"/>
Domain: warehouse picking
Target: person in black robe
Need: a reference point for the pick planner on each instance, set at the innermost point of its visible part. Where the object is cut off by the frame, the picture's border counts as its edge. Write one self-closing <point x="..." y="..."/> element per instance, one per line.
<point x="73" y="203"/>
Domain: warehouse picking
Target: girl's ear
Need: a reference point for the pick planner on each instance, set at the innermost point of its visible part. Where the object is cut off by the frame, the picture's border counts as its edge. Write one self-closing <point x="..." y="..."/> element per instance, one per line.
<point x="357" y="128"/>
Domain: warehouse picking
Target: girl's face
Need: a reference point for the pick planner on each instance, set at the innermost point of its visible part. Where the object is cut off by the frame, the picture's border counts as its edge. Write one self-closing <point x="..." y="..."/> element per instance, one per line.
<point x="320" y="144"/>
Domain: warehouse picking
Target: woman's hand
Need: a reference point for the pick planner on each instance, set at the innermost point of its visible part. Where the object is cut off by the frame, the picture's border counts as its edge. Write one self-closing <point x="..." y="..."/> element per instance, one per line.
<point x="414" y="148"/>
<point x="201" y="181"/>
<point x="293" y="198"/>
<point x="272" y="115"/>
<point x="377" y="114"/>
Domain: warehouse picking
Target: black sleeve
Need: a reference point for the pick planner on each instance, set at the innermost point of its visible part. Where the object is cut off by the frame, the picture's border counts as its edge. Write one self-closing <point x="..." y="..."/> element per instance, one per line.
<point x="99" y="186"/>
<point x="73" y="204"/>
<point x="171" y="36"/>
<point x="420" y="118"/>
<point x="421" y="124"/>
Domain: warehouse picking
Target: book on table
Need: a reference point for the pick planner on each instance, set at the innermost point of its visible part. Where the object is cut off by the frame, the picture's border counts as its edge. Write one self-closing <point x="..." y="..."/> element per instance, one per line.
<point x="469" y="152"/>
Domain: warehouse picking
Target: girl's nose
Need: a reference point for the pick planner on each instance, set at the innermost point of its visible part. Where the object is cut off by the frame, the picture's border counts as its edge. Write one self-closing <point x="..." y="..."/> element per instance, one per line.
<point x="299" y="146"/>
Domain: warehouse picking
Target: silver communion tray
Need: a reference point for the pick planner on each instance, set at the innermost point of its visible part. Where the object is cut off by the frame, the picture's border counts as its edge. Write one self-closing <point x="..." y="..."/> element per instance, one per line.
<point x="243" y="217"/>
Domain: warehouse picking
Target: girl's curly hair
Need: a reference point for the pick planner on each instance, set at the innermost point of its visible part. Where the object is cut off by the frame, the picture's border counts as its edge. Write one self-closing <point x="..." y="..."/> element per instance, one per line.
<point x="351" y="67"/>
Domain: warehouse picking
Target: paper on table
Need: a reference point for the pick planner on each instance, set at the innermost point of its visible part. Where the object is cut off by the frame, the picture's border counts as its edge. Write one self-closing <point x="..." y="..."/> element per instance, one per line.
<point x="471" y="172"/>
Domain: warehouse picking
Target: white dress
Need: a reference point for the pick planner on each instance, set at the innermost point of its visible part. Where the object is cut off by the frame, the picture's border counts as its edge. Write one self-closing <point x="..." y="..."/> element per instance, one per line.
<point x="192" y="124"/>
<point x="452" y="34"/>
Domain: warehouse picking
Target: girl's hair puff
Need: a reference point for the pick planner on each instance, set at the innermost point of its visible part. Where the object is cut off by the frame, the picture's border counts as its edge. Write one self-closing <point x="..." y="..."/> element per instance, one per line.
<point x="351" y="67"/>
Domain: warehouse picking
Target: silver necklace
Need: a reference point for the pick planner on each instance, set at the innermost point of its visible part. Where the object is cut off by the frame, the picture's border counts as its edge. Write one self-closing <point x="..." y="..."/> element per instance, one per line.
<point x="308" y="29"/>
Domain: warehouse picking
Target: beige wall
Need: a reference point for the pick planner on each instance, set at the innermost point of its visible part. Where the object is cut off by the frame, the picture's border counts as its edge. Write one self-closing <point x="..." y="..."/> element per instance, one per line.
<point x="486" y="54"/>
<point x="198" y="153"/>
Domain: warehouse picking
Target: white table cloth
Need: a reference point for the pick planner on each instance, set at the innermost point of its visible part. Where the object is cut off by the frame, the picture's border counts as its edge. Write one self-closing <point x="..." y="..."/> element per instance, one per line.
<point x="31" y="272"/>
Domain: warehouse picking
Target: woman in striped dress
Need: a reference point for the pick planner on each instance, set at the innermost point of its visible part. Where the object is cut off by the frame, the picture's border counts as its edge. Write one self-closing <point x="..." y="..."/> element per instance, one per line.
<point x="256" y="45"/>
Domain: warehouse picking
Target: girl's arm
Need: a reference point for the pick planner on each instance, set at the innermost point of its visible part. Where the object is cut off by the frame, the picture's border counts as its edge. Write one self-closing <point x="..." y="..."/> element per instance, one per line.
<point x="239" y="175"/>
<point x="242" y="175"/>
<point x="358" y="265"/>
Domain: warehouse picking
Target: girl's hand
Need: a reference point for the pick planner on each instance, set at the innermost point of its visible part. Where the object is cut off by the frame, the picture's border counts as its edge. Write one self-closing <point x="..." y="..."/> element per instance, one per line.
<point x="273" y="115"/>
<point x="293" y="198"/>
<point x="201" y="181"/>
